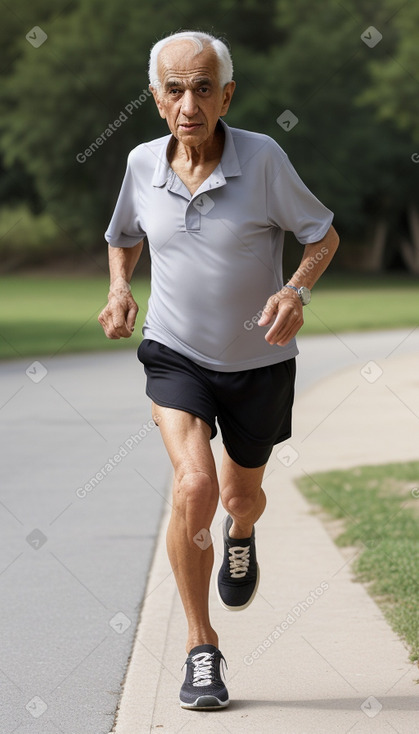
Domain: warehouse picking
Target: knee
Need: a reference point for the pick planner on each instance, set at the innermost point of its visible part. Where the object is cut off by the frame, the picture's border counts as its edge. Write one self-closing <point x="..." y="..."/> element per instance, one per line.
<point x="193" y="490"/>
<point x="238" y="503"/>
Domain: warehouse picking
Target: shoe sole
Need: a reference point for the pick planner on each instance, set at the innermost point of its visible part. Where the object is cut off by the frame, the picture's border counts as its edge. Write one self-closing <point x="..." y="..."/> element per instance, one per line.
<point x="243" y="606"/>
<point x="205" y="702"/>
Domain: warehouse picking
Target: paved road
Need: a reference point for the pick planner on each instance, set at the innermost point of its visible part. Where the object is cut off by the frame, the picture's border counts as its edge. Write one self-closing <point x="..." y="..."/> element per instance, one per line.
<point x="74" y="557"/>
<point x="83" y="478"/>
<point x="321" y="356"/>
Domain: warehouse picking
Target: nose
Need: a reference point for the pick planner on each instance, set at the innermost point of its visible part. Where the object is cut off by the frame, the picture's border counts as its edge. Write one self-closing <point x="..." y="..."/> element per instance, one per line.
<point x="189" y="105"/>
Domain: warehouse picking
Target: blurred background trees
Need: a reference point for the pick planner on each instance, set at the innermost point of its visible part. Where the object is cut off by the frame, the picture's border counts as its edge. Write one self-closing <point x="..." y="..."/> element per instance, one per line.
<point x="356" y="144"/>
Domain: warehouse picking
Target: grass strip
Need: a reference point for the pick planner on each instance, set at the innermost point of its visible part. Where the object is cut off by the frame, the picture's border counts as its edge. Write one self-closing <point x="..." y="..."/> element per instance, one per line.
<point x="378" y="510"/>
<point x="58" y="315"/>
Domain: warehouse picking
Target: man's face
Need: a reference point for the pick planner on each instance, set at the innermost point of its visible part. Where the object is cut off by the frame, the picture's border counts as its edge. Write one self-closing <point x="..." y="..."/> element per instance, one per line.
<point x="190" y="97"/>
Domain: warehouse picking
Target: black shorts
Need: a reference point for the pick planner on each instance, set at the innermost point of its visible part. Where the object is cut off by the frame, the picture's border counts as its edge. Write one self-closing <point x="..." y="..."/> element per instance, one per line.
<point x="253" y="407"/>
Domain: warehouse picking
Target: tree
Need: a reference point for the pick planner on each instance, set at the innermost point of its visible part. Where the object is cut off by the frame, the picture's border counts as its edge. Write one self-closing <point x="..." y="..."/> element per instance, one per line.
<point x="393" y="95"/>
<point x="74" y="107"/>
<point x="71" y="109"/>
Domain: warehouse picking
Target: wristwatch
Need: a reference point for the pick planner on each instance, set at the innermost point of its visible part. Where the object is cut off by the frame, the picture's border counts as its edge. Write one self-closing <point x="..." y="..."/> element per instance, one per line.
<point x="304" y="294"/>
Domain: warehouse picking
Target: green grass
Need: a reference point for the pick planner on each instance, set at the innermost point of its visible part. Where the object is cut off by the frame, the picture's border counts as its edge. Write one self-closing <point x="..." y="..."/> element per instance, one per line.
<point x="360" y="303"/>
<point x="50" y="315"/>
<point x="378" y="510"/>
<point x="46" y="315"/>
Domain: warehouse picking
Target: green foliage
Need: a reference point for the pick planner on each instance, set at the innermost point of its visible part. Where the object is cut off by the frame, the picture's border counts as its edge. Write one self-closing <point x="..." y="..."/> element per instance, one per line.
<point x="346" y="156"/>
<point x="394" y="92"/>
<point x="354" y="103"/>
<point x="26" y="238"/>
<point x="61" y="98"/>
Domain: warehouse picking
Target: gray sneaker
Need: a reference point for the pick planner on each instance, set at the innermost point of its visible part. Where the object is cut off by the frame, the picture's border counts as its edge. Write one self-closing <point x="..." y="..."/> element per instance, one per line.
<point x="204" y="687"/>
<point x="238" y="577"/>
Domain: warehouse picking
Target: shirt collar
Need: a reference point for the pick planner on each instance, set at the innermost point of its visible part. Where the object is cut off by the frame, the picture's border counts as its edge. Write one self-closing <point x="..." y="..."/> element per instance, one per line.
<point x="229" y="163"/>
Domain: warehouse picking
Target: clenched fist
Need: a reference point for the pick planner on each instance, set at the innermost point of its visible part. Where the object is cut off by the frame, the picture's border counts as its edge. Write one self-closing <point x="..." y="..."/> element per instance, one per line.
<point x="285" y="310"/>
<point x="118" y="317"/>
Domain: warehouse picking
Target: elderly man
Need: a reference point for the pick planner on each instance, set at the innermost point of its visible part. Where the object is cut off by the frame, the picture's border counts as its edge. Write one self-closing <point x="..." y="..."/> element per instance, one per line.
<point x="214" y="203"/>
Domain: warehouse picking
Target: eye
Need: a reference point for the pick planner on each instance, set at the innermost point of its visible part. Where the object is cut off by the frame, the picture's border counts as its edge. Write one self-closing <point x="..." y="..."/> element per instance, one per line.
<point x="204" y="90"/>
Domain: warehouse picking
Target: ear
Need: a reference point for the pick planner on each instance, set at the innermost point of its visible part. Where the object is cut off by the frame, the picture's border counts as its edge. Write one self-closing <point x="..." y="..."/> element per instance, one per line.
<point x="227" y="95"/>
<point x="157" y="99"/>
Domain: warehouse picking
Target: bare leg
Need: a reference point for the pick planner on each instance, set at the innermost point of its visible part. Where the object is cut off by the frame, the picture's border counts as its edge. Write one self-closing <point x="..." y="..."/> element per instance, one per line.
<point x="195" y="499"/>
<point x="241" y="495"/>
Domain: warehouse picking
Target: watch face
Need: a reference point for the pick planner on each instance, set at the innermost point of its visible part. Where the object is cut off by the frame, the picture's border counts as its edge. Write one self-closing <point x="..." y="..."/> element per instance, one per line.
<point x="305" y="295"/>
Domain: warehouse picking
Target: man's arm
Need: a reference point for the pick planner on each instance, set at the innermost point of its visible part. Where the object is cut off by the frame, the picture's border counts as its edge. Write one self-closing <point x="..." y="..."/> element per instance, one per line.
<point x="285" y="307"/>
<point x="118" y="317"/>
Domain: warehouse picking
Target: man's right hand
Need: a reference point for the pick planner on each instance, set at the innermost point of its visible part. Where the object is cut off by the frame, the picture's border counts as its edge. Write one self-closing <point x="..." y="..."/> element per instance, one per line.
<point x="118" y="317"/>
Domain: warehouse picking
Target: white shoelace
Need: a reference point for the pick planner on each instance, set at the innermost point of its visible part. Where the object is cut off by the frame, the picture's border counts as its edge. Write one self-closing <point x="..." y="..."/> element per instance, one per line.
<point x="239" y="561"/>
<point x="203" y="667"/>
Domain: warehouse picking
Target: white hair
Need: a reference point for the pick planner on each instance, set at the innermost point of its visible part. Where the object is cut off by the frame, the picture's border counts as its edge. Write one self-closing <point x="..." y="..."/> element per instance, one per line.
<point x="201" y="41"/>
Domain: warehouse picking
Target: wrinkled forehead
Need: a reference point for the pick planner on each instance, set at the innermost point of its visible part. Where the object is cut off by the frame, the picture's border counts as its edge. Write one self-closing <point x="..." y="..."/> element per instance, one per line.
<point x="186" y="58"/>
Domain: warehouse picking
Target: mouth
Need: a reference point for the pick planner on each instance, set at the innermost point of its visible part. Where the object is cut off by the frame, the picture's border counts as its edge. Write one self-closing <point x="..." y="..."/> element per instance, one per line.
<point x="190" y="126"/>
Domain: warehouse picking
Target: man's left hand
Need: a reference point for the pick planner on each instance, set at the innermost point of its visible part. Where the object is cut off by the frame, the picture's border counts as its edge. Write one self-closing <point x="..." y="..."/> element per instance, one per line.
<point x="286" y="311"/>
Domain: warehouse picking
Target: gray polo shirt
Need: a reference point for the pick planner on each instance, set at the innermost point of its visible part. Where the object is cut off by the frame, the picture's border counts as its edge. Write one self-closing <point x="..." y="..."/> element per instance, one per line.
<point x="216" y="255"/>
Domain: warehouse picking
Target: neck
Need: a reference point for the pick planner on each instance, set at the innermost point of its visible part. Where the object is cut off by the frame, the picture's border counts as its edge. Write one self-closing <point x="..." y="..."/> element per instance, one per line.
<point x="210" y="150"/>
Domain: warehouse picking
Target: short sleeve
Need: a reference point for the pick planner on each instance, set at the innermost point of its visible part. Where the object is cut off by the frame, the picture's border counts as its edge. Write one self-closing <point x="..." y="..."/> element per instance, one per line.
<point x="292" y="206"/>
<point x="124" y="229"/>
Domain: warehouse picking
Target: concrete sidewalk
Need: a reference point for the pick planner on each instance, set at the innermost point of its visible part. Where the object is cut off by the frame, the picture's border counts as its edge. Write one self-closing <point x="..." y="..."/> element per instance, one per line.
<point x="313" y="653"/>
